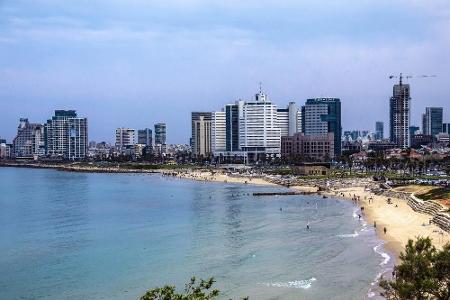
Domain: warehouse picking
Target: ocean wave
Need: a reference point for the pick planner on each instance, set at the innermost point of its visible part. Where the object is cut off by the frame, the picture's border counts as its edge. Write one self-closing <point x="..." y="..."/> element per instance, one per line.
<point x="351" y="235"/>
<point x="386" y="256"/>
<point x="296" y="284"/>
<point x="372" y="291"/>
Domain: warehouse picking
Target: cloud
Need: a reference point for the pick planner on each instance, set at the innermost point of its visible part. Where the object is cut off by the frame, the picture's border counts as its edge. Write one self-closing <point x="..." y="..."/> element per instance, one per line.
<point x="137" y="57"/>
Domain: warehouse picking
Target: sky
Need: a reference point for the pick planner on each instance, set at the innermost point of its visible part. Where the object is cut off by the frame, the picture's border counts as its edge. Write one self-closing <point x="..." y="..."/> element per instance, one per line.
<point x="133" y="63"/>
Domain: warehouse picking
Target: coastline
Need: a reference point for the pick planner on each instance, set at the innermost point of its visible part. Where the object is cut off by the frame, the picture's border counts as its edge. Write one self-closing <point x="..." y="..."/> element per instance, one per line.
<point x="401" y="221"/>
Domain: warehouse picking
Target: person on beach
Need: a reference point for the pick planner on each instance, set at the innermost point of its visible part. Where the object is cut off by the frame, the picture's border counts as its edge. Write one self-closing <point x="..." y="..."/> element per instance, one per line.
<point x="374" y="224"/>
<point x="385" y="230"/>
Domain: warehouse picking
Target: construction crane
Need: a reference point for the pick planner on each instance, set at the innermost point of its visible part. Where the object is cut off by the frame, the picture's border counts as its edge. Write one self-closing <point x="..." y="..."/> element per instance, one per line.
<point x="410" y="76"/>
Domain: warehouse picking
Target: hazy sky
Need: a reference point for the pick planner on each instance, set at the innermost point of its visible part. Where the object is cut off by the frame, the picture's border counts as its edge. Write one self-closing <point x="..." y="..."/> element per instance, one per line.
<point x="133" y="63"/>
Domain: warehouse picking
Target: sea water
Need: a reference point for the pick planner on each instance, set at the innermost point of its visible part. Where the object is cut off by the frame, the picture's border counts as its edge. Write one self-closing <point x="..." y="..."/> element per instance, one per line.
<point x="112" y="236"/>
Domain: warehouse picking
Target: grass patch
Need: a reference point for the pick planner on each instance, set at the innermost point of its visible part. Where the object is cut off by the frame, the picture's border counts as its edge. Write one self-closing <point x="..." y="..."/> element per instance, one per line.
<point x="439" y="193"/>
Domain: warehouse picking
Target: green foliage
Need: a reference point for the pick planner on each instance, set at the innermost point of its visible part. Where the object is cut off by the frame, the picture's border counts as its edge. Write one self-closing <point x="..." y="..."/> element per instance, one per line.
<point x="436" y="194"/>
<point x="193" y="290"/>
<point x="424" y="273"/>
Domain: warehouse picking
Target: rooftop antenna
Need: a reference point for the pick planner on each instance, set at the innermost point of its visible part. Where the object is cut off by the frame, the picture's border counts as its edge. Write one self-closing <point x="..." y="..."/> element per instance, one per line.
<point x="260" y="87"/>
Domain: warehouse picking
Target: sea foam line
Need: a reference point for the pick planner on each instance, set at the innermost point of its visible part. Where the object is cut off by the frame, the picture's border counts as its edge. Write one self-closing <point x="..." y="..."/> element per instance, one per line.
<point x="297" y="284"/>
<point x="386" y="256"/>
<point x="352" y="235"/>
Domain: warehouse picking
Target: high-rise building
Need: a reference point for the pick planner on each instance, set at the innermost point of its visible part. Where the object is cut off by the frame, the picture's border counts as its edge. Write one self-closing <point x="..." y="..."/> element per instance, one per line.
<point x="446" y="127"/>
<point x="145" y="137"/>
<point x="160" y="137"/>
<point x="201" y="133"/>
<point x="233" y="113"/>
<point x="379" y="131"/>
<point x="252" y="129"/>
<point x="289" y="119"/>
<point x="399" y="115"/>
<point x="321" y="116"/>
<point x="66" y="135"/>
<point x="29" y="141"/>
<point x="125" y="138"/>
<point x="259" y="133"/>
<point x="283" y="121"/>
<point x="432" y="120"/>
<point x="218" y="132"/>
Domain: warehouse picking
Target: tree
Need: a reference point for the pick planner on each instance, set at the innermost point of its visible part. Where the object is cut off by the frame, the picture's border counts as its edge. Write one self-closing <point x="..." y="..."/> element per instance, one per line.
<point x="193" y="290"/>
<point x="424" y="273"/>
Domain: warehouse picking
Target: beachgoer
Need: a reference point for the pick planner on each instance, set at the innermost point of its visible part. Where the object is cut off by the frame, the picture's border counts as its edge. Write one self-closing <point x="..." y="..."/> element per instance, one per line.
<point x="385" y="230"/>
<point x="359" y="217"/>
<point x="375" y="224"/>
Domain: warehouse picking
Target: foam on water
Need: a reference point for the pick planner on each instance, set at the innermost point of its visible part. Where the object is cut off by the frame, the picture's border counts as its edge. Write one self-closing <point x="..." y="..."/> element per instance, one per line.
<point x="377" y="249"/>
<point x="349" y="235"/>
<point x="386" y="256"/>
<point x="297" y="284"/>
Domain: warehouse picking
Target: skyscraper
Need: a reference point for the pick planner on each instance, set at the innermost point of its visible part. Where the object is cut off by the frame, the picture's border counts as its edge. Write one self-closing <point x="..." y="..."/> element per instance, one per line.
<point x="218" y="132"/>
<point x="145" y="137"/>
<point x="432" y="121"/>
<point x="233" y="112"/>
<point x="289" y="119"/>
<point x="379" y="130"/>
<point x="160" y="137"/>
<point x="201" y="133"/>
<point x="399" y="115"/>
<point x="29" y="141"/>
<point x="66" y="135"/>
<point x="259" y="133"/>
<point x="125" y="137"/>
<point x="321" y="116"/>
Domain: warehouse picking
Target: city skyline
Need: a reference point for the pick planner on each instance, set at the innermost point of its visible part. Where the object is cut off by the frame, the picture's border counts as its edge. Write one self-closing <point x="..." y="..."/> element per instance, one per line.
<point x="129" y="64"/>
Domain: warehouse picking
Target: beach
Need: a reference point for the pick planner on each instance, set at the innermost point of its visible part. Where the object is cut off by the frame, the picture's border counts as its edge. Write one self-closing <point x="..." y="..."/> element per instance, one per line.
<point x="401" y="221"/>
<point x="218" y="177"/>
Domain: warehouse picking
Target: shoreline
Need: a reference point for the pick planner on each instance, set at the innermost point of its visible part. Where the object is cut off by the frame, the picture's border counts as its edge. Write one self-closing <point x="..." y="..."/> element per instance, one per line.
<point x="401" y="221"/>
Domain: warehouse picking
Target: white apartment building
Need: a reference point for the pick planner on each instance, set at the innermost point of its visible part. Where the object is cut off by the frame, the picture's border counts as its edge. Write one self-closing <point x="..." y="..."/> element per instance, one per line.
<point x="125" y="137"/>
<point x="218" y="132"/>
<point x="66" y="135"/>
<point x="259" y="132"/>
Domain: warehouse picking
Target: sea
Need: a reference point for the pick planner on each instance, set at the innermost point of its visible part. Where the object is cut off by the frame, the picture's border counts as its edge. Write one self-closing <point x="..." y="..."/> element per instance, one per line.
<point x="66" y="235"/>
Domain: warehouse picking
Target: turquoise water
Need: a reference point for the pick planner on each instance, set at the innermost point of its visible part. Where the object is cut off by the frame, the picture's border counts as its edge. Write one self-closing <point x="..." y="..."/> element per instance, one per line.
<point x="112" y="236"/>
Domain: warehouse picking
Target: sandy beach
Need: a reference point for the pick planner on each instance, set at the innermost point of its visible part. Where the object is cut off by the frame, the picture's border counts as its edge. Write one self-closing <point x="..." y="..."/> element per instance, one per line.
<point x="401" y="222"/>
<point x="219" y="177"/>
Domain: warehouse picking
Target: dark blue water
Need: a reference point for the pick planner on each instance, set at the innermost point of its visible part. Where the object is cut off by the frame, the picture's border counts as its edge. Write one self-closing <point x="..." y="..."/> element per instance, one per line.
<point x="112" y="236"/>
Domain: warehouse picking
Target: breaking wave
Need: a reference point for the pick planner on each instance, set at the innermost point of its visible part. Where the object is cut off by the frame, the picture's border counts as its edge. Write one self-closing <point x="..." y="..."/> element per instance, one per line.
<point x="296" y="284"/>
